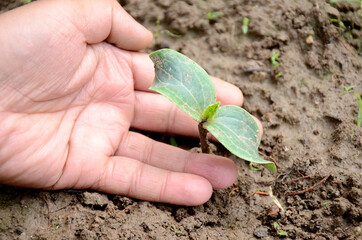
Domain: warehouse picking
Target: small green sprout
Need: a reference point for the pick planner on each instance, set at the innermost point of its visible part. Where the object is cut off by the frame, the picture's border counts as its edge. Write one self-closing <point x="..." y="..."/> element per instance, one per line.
<point x="245" y="26"/>
<point x="178" y="232"/>
<point x="213" y="15"/>
<point x="349" y="89"/>
<point x="352" y="135"/>
<point x="188" y="85"/>
<point x="167" y="32"/>
<point x="27" y="1"/>
<point x="278" y="75"/>
<point x="340" y="23"/>
<point x="359" y="118"/>
<point x="171" y="34"/>
<point x="173" y="141"/>
<point x="280" y="232"/>
<point x="326" y="204"/>
<point x="273" y="58"/>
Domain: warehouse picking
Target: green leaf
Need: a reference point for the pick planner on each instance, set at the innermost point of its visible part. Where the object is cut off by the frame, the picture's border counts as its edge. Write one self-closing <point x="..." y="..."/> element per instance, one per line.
<point x="275" y="225"/>
<point x="183" y="81"/>
<point x="238" y="131"/>
<point x="326" y="204"/>
<point x="213" y="15"/>
<point x="173" y="141"/>
<point x="245" y="25"/>
<point x="274" y="57"/>
<point x="171" y="34"/>
<point x="282" y="233"/>
<point x="359" y="118"/>
<point x="347" y="90"/>
<point x="210" y="112"/>
<point x="253" y="168"/>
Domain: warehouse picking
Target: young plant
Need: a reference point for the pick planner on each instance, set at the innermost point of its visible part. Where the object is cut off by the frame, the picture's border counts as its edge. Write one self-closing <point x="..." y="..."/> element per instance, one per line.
<point x="245" y="26"/>
<point x="349" y="89"/>
<point x="273" y="58"/>
<point x="325" y="204"/>
<point x="213" y="15"/>
<point x="280" y="232"/>
<point x="165" y="31"/>
<point x="278" y="75"/>
<point x="188" y="85"/>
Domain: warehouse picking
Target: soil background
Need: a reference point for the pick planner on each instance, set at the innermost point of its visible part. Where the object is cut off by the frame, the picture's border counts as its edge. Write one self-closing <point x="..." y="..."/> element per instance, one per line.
<point x="309" y="129"/>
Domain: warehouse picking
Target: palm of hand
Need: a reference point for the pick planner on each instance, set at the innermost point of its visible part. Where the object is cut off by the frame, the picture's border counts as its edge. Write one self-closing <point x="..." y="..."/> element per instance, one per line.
<point x="71" y="99"/>
<point x="70" y="119"/>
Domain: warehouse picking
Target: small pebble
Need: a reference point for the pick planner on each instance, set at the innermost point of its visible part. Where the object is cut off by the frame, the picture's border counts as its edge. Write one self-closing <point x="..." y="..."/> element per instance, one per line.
<point x="309" y="40"/>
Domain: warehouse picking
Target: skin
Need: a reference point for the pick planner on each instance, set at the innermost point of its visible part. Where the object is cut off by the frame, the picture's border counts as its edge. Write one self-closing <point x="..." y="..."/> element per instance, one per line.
<point x="72" y="84"/>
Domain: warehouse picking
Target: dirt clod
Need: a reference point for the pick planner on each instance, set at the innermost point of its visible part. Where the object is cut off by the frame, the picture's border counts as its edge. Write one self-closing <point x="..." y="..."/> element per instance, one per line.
<point x="261" y="232"/>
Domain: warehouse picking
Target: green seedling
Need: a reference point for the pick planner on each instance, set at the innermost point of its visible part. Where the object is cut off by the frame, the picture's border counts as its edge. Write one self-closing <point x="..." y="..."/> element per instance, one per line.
<point x="213" y="15"/>
<point x="27" y="1"/>
<point x="326" y="204"/>
<point x="173" y="141"/>
<point x="340" y="23"/>
<point x="349" y="89"/>
<point x="280" y="232"/>
<point x="278" y="75"/>
<point x="188" y="85"/>
<point x="352" y="135"/>
<point x="167" y="32"/>
<point x="178" y="232"/>
<point x="359" y="118"/>
<point x="171" y="34"/>
<point x="245" y="26"/>
<point x="274" y="58"/>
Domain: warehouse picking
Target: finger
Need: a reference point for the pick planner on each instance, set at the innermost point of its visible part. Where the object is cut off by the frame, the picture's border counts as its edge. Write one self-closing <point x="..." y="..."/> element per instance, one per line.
<point x="97" y="20"/>
<point x="154" y="112"/>
<point x="227" y="93"/>
<point x="219" y="171"/>
<point x="126" y="176"/>
<point x="102" y="20"/>
<point x="143" y="72"/>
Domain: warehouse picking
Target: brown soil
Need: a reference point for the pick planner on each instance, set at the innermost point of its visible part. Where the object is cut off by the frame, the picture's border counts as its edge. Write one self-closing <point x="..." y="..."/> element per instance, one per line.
<point x="309" y="129"/>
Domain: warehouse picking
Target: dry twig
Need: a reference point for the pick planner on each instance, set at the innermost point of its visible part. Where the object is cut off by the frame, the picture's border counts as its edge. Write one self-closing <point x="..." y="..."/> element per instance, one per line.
<point x="300" y="178"/>
<point x="47" y="203"/>
<point x="260" y="193"/>
<point x="309" y="189"/>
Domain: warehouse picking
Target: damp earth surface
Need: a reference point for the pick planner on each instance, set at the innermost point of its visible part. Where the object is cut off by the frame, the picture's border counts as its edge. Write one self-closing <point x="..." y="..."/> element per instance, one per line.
<point x="309" y="129"/>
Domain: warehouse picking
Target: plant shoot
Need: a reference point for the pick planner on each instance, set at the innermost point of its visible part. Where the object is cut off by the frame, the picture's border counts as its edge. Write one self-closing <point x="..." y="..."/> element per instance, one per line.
<point x="245" y="26"/>
<point x="188" y="85"/>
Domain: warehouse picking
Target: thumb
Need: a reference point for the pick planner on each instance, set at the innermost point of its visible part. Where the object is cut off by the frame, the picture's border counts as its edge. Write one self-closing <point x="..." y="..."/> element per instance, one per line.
<point x="106" y="20"/>
<point x="96" y="20"/>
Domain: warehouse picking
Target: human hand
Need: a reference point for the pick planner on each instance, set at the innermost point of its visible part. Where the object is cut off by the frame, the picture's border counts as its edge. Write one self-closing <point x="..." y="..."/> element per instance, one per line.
<point x="71" y="86"/>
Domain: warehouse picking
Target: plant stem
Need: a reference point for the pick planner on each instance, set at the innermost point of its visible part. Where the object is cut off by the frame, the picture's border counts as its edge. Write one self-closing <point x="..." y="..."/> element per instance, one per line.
<point x="203" y="139"/>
